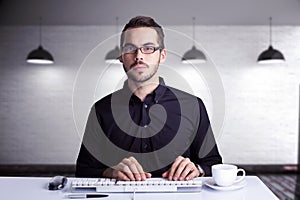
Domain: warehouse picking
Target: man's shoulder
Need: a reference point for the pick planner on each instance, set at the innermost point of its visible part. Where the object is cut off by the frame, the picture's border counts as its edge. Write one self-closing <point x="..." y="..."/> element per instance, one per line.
<point x="186" y="98"/>
<point x="183" y="94"/>
<point x="106" y="100"/>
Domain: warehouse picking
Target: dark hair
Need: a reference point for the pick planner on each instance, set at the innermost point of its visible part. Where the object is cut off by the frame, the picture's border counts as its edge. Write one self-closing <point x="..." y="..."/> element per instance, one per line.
<point x="143" y="21"/>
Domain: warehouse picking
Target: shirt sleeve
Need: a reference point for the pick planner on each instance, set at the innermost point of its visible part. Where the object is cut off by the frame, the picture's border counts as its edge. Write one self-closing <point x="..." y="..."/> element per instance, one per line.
<point x="87" y="165"/>
<point x="204" y="150"/>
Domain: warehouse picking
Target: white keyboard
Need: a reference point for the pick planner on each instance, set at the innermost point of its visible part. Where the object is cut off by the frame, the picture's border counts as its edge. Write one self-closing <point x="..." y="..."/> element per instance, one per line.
<point x="149" y="185"/>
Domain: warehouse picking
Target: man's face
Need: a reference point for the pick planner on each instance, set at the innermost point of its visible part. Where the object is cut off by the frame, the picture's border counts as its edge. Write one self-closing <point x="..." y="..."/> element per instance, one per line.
<point x="139" y="66"/>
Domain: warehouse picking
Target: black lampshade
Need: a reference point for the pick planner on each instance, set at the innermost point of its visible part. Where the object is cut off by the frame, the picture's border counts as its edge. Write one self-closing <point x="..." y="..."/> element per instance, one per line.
<point x="40" y="56"/>
<point x="270" y="56"/>
<point x="193" y="56"/>
<point x="112" y="56"/>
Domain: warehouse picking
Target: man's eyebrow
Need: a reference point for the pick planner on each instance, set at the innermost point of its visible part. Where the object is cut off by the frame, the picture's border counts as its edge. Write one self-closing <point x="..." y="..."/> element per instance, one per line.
<point x="146" y="44"/>
<point x="128" y="44"/>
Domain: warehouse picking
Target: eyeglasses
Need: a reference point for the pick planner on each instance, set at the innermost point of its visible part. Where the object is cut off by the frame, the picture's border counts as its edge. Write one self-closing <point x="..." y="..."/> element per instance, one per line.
<point x="145" y="49"/>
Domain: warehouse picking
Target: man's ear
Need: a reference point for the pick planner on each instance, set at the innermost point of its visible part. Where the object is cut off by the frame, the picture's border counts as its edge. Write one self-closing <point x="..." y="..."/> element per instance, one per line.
<point x="163" y="55"/>
<point x="120" y="58"/>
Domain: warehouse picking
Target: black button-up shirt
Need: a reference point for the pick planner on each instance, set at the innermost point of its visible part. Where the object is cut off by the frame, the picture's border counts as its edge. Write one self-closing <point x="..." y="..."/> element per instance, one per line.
<point x="167" y="124"/>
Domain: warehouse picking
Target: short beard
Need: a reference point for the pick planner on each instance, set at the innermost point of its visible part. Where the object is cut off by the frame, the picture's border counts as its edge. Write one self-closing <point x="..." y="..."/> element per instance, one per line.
<point x="143" y="78"/>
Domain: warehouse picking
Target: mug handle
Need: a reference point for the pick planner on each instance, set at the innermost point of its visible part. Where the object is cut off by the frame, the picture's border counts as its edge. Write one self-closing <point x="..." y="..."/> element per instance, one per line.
<point x="241" y="177"/>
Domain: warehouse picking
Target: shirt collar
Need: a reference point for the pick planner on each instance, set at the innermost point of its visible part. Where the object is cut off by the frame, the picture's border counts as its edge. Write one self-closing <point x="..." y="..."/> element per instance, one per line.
<point x="158" y="92"/>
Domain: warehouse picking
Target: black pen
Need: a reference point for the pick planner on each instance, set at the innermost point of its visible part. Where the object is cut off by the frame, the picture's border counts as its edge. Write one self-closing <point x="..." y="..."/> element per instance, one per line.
<point x="83" y="196"/>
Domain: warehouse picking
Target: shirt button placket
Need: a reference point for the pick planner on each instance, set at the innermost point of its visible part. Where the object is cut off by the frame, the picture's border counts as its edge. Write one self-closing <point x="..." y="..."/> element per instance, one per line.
<point x="145" y="146"/>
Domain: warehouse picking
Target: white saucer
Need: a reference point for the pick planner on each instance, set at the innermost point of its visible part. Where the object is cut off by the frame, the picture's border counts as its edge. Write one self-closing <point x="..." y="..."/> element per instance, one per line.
<point x="211" y="183"/>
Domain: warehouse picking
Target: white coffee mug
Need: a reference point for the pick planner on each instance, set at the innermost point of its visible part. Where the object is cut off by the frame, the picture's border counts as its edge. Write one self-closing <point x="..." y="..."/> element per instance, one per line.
<point x="226" y="174"/>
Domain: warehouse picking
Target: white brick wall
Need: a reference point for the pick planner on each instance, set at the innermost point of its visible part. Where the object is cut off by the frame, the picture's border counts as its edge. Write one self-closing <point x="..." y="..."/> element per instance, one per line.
<point x="37" y="126"/>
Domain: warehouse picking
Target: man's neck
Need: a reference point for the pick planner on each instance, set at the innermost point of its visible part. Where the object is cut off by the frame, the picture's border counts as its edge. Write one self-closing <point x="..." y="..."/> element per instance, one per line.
<point x="142" y="89"/>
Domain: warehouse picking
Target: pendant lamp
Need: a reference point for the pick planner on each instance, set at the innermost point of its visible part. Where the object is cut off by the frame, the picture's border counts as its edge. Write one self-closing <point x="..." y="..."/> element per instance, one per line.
<point x="112" y="57"/>
<point x="271" y="55"/>
<point x="40" y="55"/>
<point x="193" y="56"/>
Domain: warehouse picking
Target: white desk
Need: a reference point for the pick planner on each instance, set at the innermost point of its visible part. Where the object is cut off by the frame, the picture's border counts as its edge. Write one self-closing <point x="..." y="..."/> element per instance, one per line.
<point x="19" y="188"/>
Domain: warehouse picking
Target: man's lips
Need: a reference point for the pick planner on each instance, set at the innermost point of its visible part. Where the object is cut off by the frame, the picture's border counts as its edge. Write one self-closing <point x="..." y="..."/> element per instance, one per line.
<point x="138" y="66"/>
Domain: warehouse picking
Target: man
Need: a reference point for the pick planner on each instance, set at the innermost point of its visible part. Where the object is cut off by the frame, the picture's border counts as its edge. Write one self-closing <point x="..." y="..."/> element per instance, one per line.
<point x="147" y="129"/>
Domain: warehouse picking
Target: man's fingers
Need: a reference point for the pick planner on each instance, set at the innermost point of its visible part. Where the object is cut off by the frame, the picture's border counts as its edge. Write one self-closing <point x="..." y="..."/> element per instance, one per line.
<point x="132" y="169"/>
<point x="174" y="167"/>
<point x="182" y="169"/>
<point x="189" y="169"/>
<point x="193" y="174"/>
<point x="126" y="170"/>
<point x="119" y="175"/>
<point x="140" y="174"/>
<point x="183" y="165"/>
<point x="148" y="175"/>
<point x="135" y="168"/>
<point x="165" y="174"/>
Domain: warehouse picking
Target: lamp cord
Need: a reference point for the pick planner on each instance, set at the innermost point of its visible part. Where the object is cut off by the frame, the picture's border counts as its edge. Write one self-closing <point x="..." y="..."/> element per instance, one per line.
<point x="117" y="25"/>
<point x="270" y="31"/>
<point x="194" y="31"/>
<point x="40" y="29"/>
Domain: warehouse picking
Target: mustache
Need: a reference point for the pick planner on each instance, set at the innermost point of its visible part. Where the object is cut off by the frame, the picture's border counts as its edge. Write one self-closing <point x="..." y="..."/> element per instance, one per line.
<point x="138" y="63"/>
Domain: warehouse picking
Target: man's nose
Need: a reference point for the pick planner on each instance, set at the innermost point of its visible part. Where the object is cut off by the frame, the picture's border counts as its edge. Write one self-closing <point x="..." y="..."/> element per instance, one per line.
<point x="139" y="55"/>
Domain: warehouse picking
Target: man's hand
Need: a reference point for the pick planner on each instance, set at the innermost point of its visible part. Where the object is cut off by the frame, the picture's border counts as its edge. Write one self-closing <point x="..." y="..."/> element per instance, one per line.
<point x="182" y="169"/>
<point x="128" y="169"/>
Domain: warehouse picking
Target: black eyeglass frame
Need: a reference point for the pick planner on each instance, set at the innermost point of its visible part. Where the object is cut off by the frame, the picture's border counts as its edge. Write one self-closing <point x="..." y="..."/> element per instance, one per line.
<point x="141" y="49"/>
